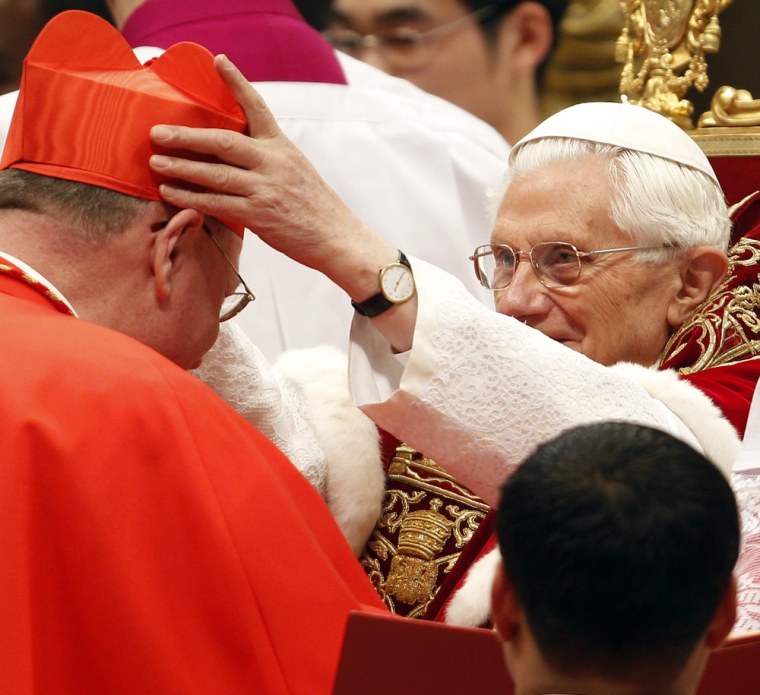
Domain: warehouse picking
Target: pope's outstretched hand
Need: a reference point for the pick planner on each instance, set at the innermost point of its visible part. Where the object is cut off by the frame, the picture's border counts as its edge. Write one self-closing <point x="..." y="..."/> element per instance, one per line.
<point x="263" y="181"/>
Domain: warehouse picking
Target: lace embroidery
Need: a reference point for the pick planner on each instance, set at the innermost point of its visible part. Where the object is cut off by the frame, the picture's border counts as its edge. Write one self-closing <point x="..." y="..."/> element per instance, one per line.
<point x="239" y="373"/>
<point x="747" y="489"/>
<point x="488" y="414"/>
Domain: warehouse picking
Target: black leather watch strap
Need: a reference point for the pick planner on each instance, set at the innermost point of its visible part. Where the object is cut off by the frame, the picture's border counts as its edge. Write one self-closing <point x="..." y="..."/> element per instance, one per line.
<point x="377" y="304"/>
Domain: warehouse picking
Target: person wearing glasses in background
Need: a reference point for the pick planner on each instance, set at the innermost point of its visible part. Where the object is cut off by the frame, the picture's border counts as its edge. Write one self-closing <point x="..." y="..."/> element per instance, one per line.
<point x="487" y="57"/>
<point x="610" y="237"/>
<point x="153" y="541"/>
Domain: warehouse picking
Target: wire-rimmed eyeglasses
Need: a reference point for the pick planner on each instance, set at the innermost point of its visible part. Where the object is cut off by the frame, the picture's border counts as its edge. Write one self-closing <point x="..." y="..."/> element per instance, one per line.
<point x="556" y="263"/>
<point x="403" y="46"/>
<point x="233" y="303"/>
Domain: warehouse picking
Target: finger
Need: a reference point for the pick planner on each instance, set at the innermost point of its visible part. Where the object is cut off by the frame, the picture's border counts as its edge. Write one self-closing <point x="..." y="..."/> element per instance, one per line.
<point x="230" y="147"/>
<point x="221" y="206"/>
<point x="261" y="123"/>
<point x="219" y="177"/>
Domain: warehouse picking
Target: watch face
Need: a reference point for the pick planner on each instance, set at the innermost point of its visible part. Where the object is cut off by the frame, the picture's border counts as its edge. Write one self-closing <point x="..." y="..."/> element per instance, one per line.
<point x="397" y="283"/>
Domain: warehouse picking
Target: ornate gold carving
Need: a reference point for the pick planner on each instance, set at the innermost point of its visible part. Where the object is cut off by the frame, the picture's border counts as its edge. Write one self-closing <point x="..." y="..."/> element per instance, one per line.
<point x="731" y="107"/>
<point x="663" y="47"/>
<point x="733" y="312"/>
<point x="426" y="521"/>
<point x="728" y="142"/>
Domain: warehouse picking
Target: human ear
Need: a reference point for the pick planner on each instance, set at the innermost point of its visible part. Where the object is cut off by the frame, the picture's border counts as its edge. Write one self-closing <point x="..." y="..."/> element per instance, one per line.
<point x="164" y="249"/>
<point x="505" y="610"/>
<point x="529" y="26"/>
<point x="724" y="618"/>
<point x="705" y="268"/>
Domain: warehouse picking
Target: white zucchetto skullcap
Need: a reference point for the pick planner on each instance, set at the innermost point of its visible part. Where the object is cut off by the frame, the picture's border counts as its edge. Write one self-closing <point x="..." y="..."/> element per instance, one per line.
<point x="622" y="125"/>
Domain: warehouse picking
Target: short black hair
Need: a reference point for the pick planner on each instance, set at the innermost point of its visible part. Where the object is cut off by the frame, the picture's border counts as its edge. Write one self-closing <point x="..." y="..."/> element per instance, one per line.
<point x="556" y="8"/>
<point x="619" y="541"/>
<point x="51" y="8"/>
<point x="490" y="23"/>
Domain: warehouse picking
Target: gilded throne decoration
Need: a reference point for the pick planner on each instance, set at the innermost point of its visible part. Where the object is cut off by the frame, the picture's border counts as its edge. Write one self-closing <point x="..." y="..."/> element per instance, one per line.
<point x="663" y="46"/>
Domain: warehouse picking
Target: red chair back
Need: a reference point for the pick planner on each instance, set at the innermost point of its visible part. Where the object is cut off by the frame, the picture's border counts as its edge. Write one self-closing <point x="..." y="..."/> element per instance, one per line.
<point x="734" y="668"/>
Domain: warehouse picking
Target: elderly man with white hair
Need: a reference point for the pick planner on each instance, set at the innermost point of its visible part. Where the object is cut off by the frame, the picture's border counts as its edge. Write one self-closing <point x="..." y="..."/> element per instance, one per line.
<point x="611" y="235"/>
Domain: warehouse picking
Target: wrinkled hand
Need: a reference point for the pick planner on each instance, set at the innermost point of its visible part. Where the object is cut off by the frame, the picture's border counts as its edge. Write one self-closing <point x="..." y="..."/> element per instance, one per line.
<point x="263" y="182"/>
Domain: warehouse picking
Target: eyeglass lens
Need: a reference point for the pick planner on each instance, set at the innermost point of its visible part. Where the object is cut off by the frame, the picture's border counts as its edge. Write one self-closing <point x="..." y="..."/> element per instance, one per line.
<point x="402" y="40"/>
<point x="235" y="303"/>
<point x="405" y="47"/>
<point x="556" y="263"/>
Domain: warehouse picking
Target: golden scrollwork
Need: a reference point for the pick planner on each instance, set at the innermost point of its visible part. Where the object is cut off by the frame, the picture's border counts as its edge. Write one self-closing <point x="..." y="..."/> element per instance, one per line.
<point x="426" y="521"/>
<point x="727" y="326"/>
<point x="663" y="47"/>
<point x="731" y="107"/>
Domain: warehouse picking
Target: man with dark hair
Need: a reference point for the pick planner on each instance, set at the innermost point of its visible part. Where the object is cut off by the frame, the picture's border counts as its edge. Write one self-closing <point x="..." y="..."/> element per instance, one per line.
<point x="487" y="57"/>
<point x="491" y="22"/>
<point x="618" y="542"/>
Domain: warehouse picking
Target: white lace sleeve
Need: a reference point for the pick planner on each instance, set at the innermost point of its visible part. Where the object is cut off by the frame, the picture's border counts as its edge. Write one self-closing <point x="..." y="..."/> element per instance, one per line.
<point x="481" y="390"/>
<point x="747" y="489"/>
<point x="239" y="373"/>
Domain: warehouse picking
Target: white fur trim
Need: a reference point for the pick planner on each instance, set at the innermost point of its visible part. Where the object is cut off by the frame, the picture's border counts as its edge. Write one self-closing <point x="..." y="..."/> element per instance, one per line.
<point x="349" y="439"/>
<point x="716" y="435"/>
<point x="471" y="605"/>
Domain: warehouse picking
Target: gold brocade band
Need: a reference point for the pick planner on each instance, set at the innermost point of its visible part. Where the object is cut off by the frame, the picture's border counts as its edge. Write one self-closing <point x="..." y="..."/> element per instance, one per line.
<point x="54" y="297"/>
<point x="427" y="520"/>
